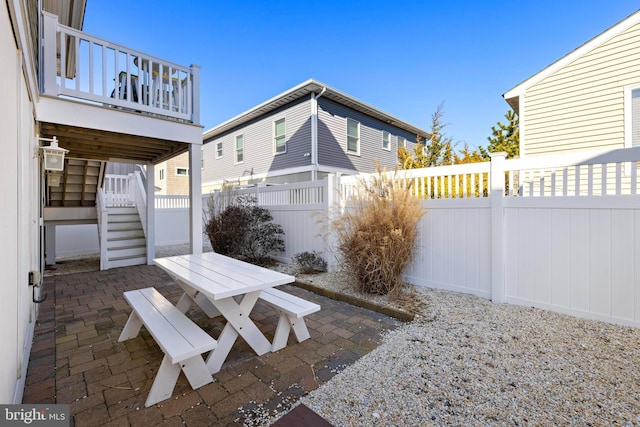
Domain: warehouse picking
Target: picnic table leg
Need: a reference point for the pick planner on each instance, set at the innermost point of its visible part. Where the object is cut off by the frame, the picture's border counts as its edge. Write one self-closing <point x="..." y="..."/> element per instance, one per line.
<point x="164" y="383"/>
<point x="190" y="296"/>
<point x="131" y="328"/>
<point x="238" y="323"/>
<point x="285" y="324"/>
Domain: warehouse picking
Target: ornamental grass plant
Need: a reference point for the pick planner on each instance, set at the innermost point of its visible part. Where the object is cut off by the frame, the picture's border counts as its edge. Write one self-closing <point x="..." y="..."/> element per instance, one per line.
<point x="378" y="230"/>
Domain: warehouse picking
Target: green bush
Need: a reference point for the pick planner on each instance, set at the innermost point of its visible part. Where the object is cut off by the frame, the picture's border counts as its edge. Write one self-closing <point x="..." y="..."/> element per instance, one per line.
<point x="377" y="233"/>
<point x="309" y="262"/>
<point x="242" y="229"/>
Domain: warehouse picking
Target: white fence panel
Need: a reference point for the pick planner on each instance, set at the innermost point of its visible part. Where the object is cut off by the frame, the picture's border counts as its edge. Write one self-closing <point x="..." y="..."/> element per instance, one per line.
<point x="172" y="227"/>
<point x="454" y="247"/>
<point x="304" y="229"/>
<point x="582" y="261"/>
<point x="76" y="240"/>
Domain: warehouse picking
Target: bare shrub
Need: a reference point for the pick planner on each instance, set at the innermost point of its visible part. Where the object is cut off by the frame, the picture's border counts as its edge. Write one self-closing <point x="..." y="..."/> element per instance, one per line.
<point x="309" y="262"/>
<point x="238" y="227"/>
<point x="378" y="231"/>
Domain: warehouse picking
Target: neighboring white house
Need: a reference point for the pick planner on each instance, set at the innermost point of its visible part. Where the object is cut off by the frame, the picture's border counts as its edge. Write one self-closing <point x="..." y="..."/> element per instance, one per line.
<point x="97" y="117"/>
<point x="587" y="100"/>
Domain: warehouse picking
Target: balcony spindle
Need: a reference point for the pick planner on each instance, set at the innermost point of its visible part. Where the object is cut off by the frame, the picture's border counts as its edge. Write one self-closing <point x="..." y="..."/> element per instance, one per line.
<point x="77" y="73"/>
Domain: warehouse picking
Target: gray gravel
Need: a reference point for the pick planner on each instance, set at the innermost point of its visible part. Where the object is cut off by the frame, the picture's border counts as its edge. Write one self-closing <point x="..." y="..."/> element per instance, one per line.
<point x="467" y="361"/>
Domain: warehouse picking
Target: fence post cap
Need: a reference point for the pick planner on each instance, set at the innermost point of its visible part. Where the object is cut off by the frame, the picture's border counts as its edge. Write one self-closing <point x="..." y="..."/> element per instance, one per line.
<point x="498" y="155"/>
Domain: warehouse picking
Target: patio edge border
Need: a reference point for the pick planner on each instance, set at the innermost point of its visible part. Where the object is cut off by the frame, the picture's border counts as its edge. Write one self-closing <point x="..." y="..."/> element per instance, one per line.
<point x="387" y="311"/>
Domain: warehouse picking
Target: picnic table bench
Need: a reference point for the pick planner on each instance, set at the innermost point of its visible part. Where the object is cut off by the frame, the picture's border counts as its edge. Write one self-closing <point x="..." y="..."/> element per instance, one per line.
<point x="181" y="340"/>
<point x="292" y="310"/>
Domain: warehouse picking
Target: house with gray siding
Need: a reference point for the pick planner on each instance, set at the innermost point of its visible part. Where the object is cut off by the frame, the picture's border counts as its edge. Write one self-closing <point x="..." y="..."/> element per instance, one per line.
<point x="303" y="134"/>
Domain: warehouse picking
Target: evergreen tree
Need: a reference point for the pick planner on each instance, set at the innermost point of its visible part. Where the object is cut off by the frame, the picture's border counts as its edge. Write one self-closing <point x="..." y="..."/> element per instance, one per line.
<point x="466" y="155"/>
<point x="505" y="137"/>
<point x="437" y="150"/>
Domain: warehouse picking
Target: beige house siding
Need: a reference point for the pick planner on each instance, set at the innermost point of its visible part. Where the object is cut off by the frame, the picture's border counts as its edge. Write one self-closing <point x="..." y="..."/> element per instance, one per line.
<point x="172" y="183"/>
<point x="581" y="106"/>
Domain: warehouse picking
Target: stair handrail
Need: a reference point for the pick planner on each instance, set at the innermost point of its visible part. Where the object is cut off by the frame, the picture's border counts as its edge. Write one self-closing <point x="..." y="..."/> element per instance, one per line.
<point x="136" y="187"/>
<point x="103" y="221"/>
<point x="117" y="190"/>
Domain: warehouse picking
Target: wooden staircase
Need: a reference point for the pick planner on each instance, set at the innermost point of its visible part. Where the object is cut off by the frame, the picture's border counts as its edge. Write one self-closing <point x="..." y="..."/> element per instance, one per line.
<point x="125" y="240"/>
<point x="78" y="184"/>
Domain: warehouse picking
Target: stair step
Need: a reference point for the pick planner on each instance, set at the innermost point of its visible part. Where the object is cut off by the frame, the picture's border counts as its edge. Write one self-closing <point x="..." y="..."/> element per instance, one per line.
<point x="126" y="262"/>
<point x="125" y="234"/>
<point x="126" y="252"/>
<point x="126" y="242"/>
<point x="126" y="210"/>
<point x="123" y="218"/>
<point x="123" y="226"/>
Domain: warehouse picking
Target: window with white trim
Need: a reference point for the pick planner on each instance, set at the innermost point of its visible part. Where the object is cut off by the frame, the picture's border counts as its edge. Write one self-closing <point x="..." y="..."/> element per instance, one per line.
<point x="353" y="136"/>
<point x="240" y="149"/>
<point x="386" y="140"/>
<point x="218" y="149"/>
<point x="402" y="142"/>
<point x="161" y="174"/>
<point x="182" y="171"/>
<point x="279" y="136"/>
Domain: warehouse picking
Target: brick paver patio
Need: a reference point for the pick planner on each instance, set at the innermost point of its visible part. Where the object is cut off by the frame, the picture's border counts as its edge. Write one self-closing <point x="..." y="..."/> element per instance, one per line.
<point x="76" y="357"/>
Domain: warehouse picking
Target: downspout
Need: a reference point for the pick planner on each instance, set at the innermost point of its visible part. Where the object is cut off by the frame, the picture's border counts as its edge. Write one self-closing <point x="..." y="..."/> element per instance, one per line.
<point x="314" y="133"/>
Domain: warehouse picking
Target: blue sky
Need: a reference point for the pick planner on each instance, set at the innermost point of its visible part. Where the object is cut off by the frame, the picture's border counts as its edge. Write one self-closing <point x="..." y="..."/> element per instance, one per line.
<point x="403" y="57"/>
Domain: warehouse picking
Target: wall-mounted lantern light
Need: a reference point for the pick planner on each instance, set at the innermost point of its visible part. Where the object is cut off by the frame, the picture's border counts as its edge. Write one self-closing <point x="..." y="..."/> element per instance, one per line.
<point x="53" y="155"/>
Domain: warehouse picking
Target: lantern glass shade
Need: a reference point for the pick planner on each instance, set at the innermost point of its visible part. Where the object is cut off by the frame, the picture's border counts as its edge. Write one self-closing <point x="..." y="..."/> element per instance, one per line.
<point x="54" y="156"/>
<point x="53" y="161"/>
<point x="54" y="179"/>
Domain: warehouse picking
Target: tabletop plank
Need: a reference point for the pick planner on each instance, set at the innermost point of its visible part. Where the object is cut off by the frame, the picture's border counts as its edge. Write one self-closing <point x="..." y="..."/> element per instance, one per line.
<point x="218" y="276"/>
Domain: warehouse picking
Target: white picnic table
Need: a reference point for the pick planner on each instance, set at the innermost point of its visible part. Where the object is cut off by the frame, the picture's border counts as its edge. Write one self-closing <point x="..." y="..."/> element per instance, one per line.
<point x="226" y="286"/>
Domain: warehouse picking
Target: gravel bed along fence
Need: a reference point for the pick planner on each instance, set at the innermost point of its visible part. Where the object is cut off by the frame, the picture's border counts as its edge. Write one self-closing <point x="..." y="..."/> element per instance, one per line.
<point x="468" y="361"/>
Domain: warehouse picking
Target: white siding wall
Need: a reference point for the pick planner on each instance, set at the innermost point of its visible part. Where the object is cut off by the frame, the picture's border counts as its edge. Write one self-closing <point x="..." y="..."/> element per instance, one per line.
<point x="19" y="216"/>
<point x="12" y="272"/>
<point x="581" y="106"/>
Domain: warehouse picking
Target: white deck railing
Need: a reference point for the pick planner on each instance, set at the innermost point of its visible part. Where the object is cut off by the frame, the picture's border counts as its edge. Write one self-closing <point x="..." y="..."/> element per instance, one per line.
<point x="81" y="66"/>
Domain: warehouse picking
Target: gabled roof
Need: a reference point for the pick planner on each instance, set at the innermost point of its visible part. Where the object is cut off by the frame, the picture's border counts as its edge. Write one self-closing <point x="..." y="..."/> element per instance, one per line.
<point x="305" y="89"/>
<point x="511" y="96"/>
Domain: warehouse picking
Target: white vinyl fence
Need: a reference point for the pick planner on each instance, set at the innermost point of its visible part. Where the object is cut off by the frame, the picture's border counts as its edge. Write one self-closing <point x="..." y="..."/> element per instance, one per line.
<point x="301" y="209"/>
<point x="555" y="232"/>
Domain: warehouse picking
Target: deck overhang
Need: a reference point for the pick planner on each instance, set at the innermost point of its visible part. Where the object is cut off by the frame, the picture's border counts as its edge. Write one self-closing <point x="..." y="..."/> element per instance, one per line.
<point x="113" y="134"/>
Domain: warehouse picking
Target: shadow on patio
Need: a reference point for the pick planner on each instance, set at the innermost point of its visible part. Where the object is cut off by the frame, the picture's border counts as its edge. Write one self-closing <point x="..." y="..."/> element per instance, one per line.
<point x="76" y="357"/>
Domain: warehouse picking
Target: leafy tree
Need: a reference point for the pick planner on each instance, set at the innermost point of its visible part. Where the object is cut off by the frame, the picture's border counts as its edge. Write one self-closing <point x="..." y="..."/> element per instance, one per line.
<point x="505" y="137"/>
<point x="437" y="150"/>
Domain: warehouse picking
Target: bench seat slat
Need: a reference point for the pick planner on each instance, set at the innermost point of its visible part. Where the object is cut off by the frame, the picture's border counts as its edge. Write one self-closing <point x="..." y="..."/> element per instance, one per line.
<point x="178" y="336"/>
